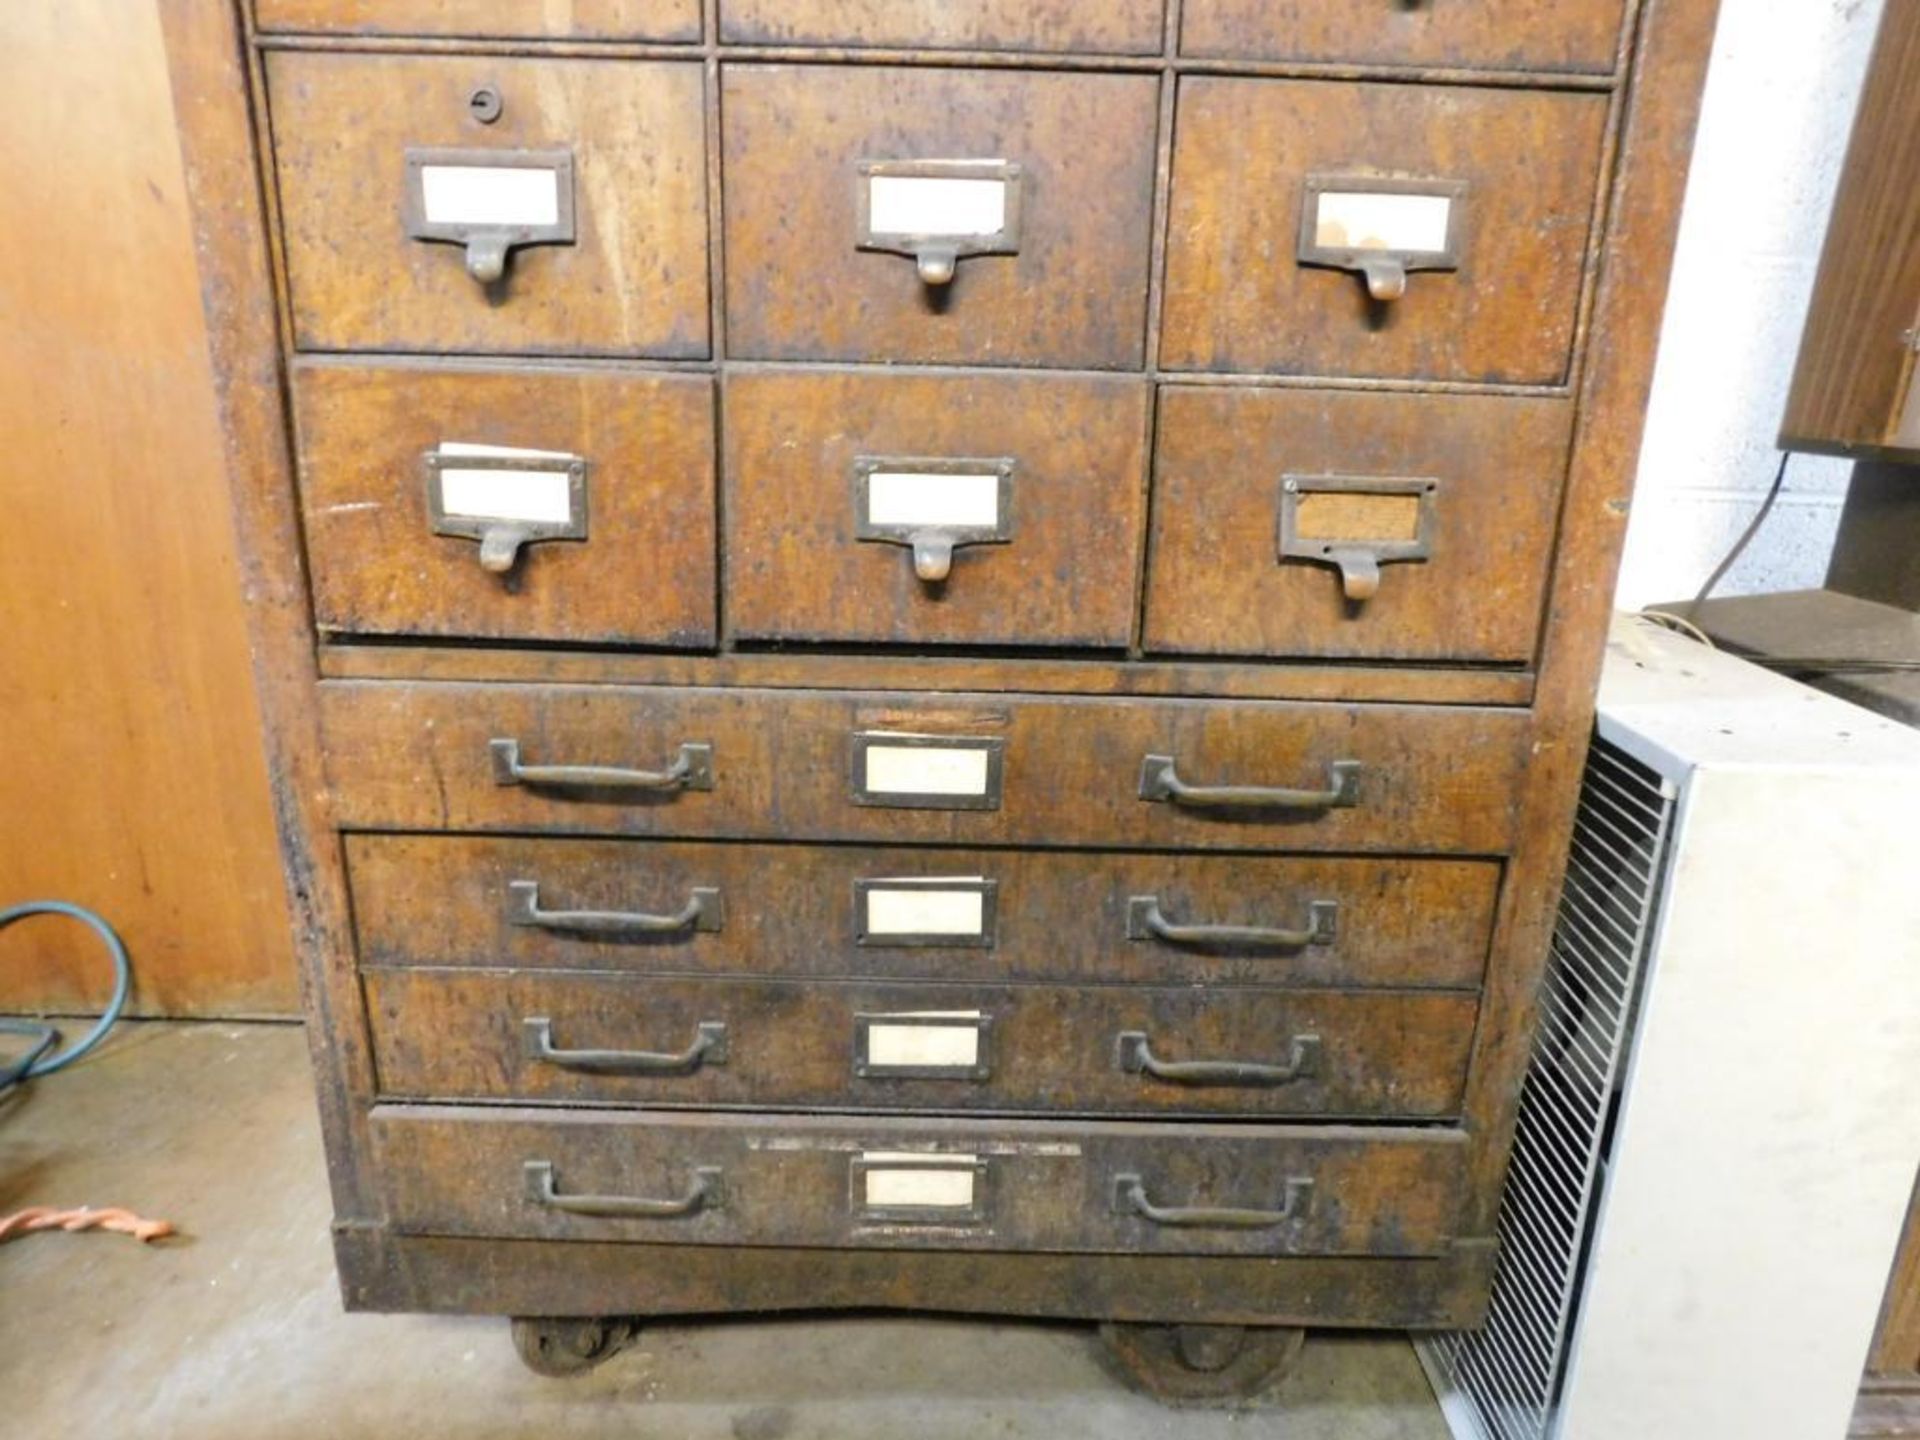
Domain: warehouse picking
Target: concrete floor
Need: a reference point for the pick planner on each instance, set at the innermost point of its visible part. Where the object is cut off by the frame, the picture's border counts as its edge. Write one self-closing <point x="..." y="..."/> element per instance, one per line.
<point x="235" y="1332"/>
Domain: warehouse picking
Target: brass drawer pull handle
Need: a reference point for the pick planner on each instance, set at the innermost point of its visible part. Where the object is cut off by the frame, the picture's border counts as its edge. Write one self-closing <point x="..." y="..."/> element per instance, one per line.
<point x="1130" y="1198"/>
<point x="703" y="912"/>
<point x="1146" y="921"/>
<point x="708" y="1193"/>
<point x="1137" y="1058"/>
<point x="692" y="769"/>
<point x="708" y="1048"/>
<point x="1159" y="780"/>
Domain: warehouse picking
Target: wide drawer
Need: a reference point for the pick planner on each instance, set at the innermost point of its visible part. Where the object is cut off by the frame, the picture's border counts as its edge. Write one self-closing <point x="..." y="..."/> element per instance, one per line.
<point x="703" y="1179"/>
<point x="662" y="907"/>
<point x="508" y="504"/>
<point x="1109" y="27"/>
<point x="659" y="20"/>
<point x="978" y="509"/>
<point x="567" y="1037"/>
<point x="943" y="216"/>
<point x="1353" y="525"/>
<point x="897" y="768"/>
<point x="1552" y="35"/>
<point x="572" y="222"/>
<point x="1418" y="232"/>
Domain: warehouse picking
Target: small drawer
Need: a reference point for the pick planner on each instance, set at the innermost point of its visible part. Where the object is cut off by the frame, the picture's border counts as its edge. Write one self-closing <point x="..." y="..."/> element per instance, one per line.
<point x="564" y="1037"/>
<point x="943" y="216"/>
<point x="830" y="912"/>
<point x="934" y="509"/>
<point x="1111" y="27"/>
<point x="900" y="1184"/>
<point x="956" y="769"/>
<point x="1579" y="36"/>
<point x="508" y="504"/>
<point x="1353" y="525"/>
<point x="574" y="221"/>
<point x="1413" y="232"/>
<point x="654" y="20"/>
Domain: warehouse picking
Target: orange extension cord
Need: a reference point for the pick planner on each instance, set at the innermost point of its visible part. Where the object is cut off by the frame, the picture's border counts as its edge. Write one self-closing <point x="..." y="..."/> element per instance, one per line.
<point x="45" y="1217"/>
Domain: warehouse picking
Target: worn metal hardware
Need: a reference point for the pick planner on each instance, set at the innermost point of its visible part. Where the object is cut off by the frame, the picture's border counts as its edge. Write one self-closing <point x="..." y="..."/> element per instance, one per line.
<point x="1145" y="921"/>
<point x="501" y="537"/>
<point x="929" y="1215"/>
<point x="708" y="1192"/>
<point x="704" y="912"/>
<point x="1136" y="1057"/>
<point x="1358" y="558"/>
<point x="1159" y="780"/>
<point x="1130" y="1198"/>
<point x="867" y="1068"/>
<point x="709" y="1048"/>
<point x="487" y="245"/>
<point x="932" y="543"/>
<point x="992" y="747"/>
<point x="987" y="889"/>
<point x="936" y="256"/>
<point x="692" y="769"/>
<point x="485" y="104"/>
<point x="1385" y="268"/>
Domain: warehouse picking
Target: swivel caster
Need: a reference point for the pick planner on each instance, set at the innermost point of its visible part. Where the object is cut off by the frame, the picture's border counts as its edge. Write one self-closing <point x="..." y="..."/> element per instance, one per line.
<point x="1202" y="1364"/>
<point x="564" y="1347"/>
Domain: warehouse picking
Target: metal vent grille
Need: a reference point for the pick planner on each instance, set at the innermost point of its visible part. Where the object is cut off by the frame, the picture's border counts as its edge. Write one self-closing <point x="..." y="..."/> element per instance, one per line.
<point x="1503" y="1382"/>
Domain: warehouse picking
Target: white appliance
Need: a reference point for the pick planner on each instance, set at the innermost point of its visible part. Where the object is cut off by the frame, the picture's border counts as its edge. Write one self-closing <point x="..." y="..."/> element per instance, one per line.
<point x="1720" y="1125"/>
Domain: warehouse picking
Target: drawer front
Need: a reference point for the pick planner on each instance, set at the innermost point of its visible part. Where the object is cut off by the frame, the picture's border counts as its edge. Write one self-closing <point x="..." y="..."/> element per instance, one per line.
<point x="939" y="509"/>
<point x="1402" y="231"/>
<point x="569" y="1038"/>
<point x="659" y="20"/>
<point x="945" y="216"/>
<point x="1350" y="525"/>
<point x="956" y="769"/>
<point x="585" y="197"/>
<point x="1552" y="35"/>
<point x="1111" y="27"/>
<point x="913" y="913"/>
<point x="715" y="1179"/>
<point x="606" y="535"/>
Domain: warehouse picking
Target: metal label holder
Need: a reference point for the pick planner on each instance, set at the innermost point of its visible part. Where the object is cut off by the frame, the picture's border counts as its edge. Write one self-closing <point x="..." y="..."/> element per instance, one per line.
<point x="987" y="889"/>
<point x="488" y="246"/>
<point x="932" y="544"/>
<point x="938" y="1216"/>
<point x="502" y="537"/>
<point x="980" y="1069"/>
<point x="865" y="740"/>
<point x="1357" y="558"/>
<point x="937" y="256"/>
<point x="1385" y="269"/>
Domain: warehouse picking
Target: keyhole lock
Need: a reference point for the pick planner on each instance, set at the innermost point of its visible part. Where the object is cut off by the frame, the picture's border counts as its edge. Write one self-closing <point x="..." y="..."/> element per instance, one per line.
<point x="485" y="104"/>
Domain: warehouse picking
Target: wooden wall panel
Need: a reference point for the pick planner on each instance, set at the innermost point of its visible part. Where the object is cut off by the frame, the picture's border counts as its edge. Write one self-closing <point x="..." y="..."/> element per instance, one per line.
<point x="134" y="780"/>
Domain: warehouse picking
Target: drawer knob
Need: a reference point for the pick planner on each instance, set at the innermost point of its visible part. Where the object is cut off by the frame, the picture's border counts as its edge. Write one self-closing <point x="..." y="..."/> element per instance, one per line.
<point x="703" y="912"/>
<point x="1130" y="1198"/>
<point x="709" y="1048"/>
<point x="1160" y="780"/>
<point x="706" y="1193"/>
<point x="1146" y="921"/>
<point x="692" y="769"/>
<point x="1137" y="1058"/>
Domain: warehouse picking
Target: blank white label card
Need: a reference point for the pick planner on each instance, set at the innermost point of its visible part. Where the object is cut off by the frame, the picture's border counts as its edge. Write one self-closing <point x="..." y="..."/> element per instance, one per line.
<point x="915" y="498"/>
<point x="503" y="196"/>
<point x="1370" y="220"/>
<point x="910" y="1181"/>
<point x="936" y="205"/>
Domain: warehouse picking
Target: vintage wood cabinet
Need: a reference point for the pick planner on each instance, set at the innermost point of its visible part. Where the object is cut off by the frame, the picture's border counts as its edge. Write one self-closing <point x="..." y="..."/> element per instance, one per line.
<point x="930" y="654"/>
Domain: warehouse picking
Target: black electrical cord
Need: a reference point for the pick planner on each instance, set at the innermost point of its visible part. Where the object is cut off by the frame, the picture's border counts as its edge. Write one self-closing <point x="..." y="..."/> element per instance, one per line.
<point x="1746" y="536"/>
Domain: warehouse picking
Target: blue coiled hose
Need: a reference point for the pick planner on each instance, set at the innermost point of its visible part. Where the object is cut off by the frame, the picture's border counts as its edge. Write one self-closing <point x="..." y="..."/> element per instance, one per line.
<point x="37" y="1060"/>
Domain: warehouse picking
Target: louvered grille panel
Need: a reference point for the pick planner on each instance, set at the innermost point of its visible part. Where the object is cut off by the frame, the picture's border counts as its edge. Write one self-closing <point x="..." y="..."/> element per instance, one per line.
<point x="1504" y="1380"/>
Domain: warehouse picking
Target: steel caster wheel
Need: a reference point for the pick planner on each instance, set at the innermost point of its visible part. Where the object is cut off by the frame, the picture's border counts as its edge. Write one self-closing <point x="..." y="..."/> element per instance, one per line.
<point x="563" y="1347"/>
<point x="1202" y="1364"/>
